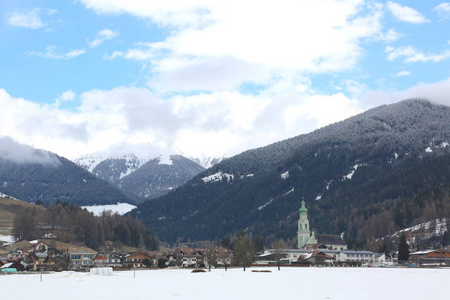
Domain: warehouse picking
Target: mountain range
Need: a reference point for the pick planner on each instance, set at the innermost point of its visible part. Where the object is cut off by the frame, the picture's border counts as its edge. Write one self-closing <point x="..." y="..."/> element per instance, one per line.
<point x="124" y="177"/>
<point x="366" y="176"/>
<point x="143" y="176"/>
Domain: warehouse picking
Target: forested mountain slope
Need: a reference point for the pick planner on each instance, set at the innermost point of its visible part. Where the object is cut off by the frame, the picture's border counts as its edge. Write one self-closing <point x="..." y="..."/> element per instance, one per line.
<point x="349" y="173"/>
<point x="53" y="178"/>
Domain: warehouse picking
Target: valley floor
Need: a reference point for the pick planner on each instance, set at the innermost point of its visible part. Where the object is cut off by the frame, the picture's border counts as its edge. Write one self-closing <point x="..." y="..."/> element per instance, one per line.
<point x="289" y="283"/>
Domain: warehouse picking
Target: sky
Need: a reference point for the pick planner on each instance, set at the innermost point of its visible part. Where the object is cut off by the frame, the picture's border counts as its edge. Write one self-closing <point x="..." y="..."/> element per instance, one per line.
<point x="209" y="78"/>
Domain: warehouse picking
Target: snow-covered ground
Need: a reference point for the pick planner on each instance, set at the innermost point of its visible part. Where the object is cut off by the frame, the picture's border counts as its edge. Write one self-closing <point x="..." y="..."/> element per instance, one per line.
<point x="6" y="238"/>
<point x="120" y="208"/>
<point x="289" y="283"/>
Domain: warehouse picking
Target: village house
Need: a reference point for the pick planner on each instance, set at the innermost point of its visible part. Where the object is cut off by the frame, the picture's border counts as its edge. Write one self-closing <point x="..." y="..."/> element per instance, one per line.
<point x="155" y="256"/>
<point x="436" y="258"/>
<point x="38" y="261"/>
<point x="108" y="260"/>
<point x="223" y="256"/>
<point x="136" y="260"/>
<point x="82" y="258"/>
<point x="187" y="257"/>
<point x="16" y="254"/>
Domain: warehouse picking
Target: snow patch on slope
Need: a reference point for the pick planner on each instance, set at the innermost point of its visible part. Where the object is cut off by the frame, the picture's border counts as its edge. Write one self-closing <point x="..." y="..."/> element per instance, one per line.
<point x="265" y="204"/>
<point x="165" y="159"/>
<point x="120" y="208"/>
<point x="350" y="175"/>
<point x="7" y="196"/>
<point x="436" y="227"/>
<point x="218" y="177"/>
<point x="288" y="192"/>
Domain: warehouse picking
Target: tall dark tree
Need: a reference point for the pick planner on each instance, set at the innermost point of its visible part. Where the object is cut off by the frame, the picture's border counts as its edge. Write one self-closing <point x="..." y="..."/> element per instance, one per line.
<point x="259" y="244"/>
<point x="225" y="242"/>
<point x="445" y="240"/>
<point x="403" y="249"/>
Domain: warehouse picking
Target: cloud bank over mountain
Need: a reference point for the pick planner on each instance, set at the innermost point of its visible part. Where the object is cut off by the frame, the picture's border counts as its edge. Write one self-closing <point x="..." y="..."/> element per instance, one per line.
<point x="13" y="151"/>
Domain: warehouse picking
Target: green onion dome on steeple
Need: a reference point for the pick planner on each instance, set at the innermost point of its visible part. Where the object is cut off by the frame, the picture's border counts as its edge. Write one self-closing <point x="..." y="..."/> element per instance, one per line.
<point x="303" y="209"/>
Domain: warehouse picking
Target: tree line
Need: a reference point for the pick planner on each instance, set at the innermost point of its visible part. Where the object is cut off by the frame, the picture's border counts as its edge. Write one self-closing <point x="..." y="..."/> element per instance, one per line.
<point x="69" y="223"/>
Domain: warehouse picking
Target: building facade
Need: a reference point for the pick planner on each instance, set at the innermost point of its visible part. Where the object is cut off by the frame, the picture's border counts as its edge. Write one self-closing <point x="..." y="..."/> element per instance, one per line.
<point x="307" y="238"/>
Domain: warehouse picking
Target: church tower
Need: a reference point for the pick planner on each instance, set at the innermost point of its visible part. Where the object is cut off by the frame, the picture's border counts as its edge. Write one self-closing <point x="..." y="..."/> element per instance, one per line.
<point x="303" y="232"/>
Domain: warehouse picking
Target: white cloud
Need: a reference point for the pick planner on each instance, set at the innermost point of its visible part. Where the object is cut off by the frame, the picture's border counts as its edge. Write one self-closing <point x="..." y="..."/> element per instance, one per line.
<point x="102" y="36"/>
<point x="141" y="52"/>
<point x="443" y="10"/>
<point x="42" y="126"/>
<point x="390" y="36"/>
<point x="356" y="88"/>
<point x="50" y="52"/>
<point x="67" y="96"/>
<point x="221" y="73"/>
<point x="412" y="55"/>
<point x="202" y="125"/>
<point x="436" y="92"/>
<point x="403" y="73"/>
<point x="233" y="121"/>
<point x="405" y="13"/>
<point x="30" y="20"/>
<point x="298" y="36"/>
<point x="13" y="151"/>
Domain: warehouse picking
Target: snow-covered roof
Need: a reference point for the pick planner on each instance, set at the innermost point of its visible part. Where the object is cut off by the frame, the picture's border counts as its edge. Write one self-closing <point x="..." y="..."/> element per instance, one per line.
<point x="423" y="252"/>
<point x="5" y="266"/>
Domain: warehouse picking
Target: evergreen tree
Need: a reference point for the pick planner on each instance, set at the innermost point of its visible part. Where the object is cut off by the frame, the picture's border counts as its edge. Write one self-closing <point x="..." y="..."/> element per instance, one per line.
<point x="403" y="249"/>
<point x="445" y="239"/>
<point x="162" y="263"/>
<point x="225" y="242"/>
<point x="259" y="244"/>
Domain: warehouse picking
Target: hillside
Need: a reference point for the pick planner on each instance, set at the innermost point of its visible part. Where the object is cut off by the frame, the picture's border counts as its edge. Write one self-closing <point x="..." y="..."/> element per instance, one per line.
<point x="32" y="175"/>
<point x="9" y="208"/>
<point x="349" y="173"/>
<point x="68" y="223"/>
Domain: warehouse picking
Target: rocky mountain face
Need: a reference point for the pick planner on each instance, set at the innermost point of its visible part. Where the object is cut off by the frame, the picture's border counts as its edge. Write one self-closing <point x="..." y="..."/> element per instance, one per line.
<point x="143" y="177"/>
<point x="365" y="176"/>
<point x="37" y="175"/>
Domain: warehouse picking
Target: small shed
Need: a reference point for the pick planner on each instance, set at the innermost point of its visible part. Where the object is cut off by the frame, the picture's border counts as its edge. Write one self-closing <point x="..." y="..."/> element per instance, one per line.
<point x="9" y="270"/>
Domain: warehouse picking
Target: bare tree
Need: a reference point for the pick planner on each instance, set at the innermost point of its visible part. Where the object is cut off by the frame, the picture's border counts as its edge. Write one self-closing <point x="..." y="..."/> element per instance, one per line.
<point x="245" y="251"/>
<point x="279" y="247"/>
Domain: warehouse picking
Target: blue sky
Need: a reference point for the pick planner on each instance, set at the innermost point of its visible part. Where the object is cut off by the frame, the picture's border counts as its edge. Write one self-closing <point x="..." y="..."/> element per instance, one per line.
<point x="209" y="78"/>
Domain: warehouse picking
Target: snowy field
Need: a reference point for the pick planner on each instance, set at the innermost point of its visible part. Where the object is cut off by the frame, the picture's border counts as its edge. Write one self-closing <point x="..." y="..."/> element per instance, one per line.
<point x="120" y="208"/>
<point x="289" y="283"/>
